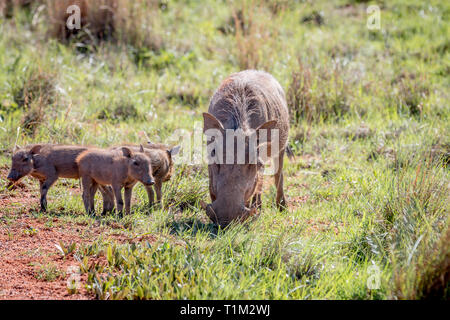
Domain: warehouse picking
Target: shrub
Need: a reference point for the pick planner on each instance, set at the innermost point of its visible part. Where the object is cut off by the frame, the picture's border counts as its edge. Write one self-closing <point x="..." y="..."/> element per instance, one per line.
<point x="37" y="86"/>
<point x="315" y="17"/>
<point x="33" y="118"/>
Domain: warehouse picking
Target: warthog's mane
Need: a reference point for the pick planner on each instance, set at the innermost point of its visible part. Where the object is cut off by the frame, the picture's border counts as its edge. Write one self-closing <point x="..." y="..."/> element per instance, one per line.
<point x="247" y="95"/>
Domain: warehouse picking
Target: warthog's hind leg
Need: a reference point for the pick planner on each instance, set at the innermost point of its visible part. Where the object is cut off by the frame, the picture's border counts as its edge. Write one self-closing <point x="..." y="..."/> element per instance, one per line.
<point x="281" y="200"/>
<point x="87" y="184"/>
<point x="108" y="199"/>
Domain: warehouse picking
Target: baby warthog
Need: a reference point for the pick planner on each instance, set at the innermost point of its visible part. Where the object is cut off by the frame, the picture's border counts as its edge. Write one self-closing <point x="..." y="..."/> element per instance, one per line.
<point x="161" y="157"/>
<point x="121" y="168"/>
<point x="47" y="163"/>
<point x="250" y="107"/>
<point x="162" y="166"/>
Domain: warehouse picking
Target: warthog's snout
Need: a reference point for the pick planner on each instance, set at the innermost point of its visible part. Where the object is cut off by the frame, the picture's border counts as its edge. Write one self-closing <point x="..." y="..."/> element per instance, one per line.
<point x="209" y="211"/>
<point x="240" y="213"/>
<point x="149" y="182"/>
<point x="13" y="175"/>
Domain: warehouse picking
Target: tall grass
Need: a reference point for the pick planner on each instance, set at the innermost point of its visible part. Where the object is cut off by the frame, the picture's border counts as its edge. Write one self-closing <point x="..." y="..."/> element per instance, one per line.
<point x="318" y="93"/>
<point x="252" y="37"/>
<point x="124" y="21"/>
<point x="416" y="219"/>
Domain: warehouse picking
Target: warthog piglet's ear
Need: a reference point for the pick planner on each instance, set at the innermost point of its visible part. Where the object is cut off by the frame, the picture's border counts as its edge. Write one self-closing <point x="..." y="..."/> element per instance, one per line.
<point x="141" y="149"/>
<point x="174" y="151"/>
<point x="36" y="149"/>
<point x="127" y="152"/>
<point x="211" y="122"/>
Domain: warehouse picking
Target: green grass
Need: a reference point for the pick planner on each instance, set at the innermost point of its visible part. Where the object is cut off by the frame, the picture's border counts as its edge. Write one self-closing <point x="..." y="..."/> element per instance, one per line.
<point x="370" y="129"/>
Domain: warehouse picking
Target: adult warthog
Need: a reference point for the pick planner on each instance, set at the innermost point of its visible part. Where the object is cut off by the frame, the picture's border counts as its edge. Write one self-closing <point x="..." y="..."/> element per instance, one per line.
<point x="247" y="124"/>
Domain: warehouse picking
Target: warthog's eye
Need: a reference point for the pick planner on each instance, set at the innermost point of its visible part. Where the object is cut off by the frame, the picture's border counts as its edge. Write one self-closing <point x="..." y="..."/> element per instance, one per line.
<point x="135" y="163"/>
<point x="213" y="153"/>
<point x="25" y="159"/>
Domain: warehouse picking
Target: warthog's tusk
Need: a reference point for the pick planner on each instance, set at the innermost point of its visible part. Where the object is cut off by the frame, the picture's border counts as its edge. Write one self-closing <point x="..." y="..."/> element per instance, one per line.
<point x="211" y="213"/>
<point x="203" y="204"/>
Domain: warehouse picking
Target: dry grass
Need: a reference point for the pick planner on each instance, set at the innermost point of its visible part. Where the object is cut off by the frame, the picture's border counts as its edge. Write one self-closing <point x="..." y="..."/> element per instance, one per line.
<point x="410" y="93"/>
<point x="37" y="86"/>
<point x="317" y="94"/>
<point x="7" y="6"/>
<point x="431" y="275"/>
<point x="250" y="35"/>
<point x="420" y="203"/>
<point x="124" y="21"/>
<point x="278" y="6"/>
<point x="33" y="93"/>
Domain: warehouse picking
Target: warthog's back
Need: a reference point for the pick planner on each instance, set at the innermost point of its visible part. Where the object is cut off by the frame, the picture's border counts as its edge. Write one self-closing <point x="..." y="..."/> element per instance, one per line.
<point x="162" y="163"/>
<point x="248" y="99"/>
<point x="62" y="158"/>
<point x="104" y="166"/>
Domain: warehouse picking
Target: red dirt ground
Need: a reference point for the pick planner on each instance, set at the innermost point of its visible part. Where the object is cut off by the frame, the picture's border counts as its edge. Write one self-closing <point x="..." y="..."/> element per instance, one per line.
<point x="28" y="247"/>
<point x="23" y="254"/>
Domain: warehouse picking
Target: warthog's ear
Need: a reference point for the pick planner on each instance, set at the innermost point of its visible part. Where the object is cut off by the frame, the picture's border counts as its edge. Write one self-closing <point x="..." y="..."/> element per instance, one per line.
<point x="36" y="149"/>
<point x="264" y="131"/>
<point x="127" y="152"/>
<point x="211" y="122"/>
<point x="174" y="151"/>
<point x="264" y="136"/>
<point x="141" y="149"/>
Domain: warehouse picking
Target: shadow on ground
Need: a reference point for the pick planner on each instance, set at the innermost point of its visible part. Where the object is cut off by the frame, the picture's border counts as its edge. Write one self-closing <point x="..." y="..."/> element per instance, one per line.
<point x="193" y="226"/>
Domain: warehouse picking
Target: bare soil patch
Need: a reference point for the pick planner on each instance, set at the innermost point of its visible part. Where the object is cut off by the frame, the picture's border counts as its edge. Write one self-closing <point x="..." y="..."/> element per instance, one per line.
<point x="27" y="247"/>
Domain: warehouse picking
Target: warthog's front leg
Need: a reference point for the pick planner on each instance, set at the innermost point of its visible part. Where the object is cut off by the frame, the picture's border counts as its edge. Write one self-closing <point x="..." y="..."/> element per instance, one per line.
<point x="119" y="201"/>
<point x="108" y="199"/>
<point x="128" y="193"/>
<point x="281" y="200"/>
<point x="158" y="188"/>
<point x="256" y="199"/>
<point x="150" y="194"/>
<point x="45" y="186"/>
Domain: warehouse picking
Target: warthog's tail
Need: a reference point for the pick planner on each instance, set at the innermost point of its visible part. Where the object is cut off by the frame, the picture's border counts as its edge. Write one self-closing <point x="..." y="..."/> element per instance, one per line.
<point x="290" y="153"/>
